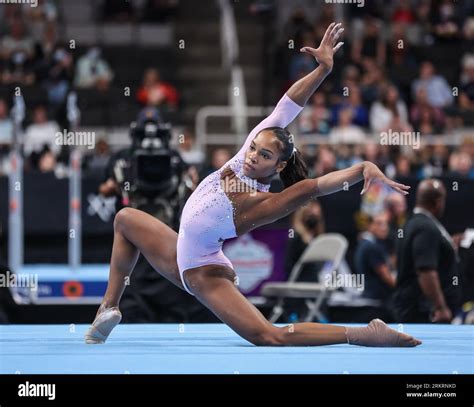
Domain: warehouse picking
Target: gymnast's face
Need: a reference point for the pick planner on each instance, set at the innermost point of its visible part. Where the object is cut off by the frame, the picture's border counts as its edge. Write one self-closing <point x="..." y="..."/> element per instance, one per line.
<point x="262" y="158"/>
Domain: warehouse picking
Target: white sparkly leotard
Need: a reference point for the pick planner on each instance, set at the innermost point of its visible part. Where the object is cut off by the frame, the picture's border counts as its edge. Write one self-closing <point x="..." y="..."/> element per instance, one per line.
<point x="207" y="218"/>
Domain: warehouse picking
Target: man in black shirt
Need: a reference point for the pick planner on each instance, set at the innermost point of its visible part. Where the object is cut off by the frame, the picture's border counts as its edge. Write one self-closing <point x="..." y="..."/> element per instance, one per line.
<point x="428" y="281"/>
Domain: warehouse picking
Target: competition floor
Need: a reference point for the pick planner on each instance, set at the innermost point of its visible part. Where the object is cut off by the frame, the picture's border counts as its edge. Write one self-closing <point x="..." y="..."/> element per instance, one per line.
<point x="214" y="348"/>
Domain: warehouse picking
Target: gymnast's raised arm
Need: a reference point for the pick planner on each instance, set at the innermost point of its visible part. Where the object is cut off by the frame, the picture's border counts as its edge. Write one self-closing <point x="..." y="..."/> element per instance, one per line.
<point x="293" y="101"/>
<point x="302" y="90"/>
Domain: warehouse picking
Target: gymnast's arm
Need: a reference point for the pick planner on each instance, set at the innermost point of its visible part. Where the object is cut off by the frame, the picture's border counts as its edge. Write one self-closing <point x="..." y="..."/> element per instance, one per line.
<point x="293" y="101"/>
<point x="266" y="208"/>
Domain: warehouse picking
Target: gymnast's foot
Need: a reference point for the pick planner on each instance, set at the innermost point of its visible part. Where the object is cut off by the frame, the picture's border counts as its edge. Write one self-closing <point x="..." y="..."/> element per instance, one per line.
<point x="105" y="320"/>
<point x="378" y="333"/>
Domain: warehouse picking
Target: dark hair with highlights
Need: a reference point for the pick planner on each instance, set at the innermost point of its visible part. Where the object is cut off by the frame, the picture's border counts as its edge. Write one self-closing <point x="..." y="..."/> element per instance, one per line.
<point x="296" y="169"/>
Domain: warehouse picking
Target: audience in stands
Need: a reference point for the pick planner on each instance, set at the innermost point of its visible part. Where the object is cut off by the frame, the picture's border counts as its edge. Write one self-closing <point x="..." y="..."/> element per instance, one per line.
<point x="189" y="151"/>
<point x="426" y="118"/>
<point x="218" y="158"/>
<point x="59" y="76"/>
<point x="395" y="207"/>
<point x="389" y="111"/>
<point x="315" y="117"/>
<point x="42" y="132"/>
<point x="97" y="161"/>
<point x="16" y="52"/>
<point x="155" y="92"/>
<point x="93" y="71"/>
<point x="345" y="131"/>
<point x="353" y="102"/>
<point x="439" y="93"/>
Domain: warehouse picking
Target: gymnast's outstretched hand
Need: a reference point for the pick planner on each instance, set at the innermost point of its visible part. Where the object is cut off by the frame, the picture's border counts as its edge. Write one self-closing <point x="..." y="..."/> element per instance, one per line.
<point x="326" y="50"/>
<point x="372" y="173"/>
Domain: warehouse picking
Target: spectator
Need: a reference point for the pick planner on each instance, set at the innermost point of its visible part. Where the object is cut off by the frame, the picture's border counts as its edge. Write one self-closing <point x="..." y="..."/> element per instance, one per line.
<point x="325" y="162"/>
<point x="59" y="75"/>
<point x="402" y="166"/>
<point x="303" y="63"/>
<point x="426" y="118"/>
<point x="465" y="108"/>
<point x="395" y="208"/>
<point x="445" y="21"/>
<point x="436" y="160"/>
<point x="350" y="79"/>
<point x="315" y="117"/>
<point x="42" y="132"/>
<point x="372" y="152"/>
<point x="346" y="132"/>
<point x="47" y="161"/>
<point x="190" y="153"/>
<point x="389" y="112"/>
<point x="42" y="17"/>
<point x="218" y="158"/>
<point x="371" y="260"/>
<point x="346" y="156"/>
<point x="467" y="76"/>
<point x="468" y="29"/>
<point x="461" y="165"/>
<point x="17" y="52"/>
<point x="307" y="224"/>
<point x="403" y="13"/>
<point x="98" y="161"/>
<point x="439" y="93"/>
<point x="44" y="53"/>
<point x="93" y="71"/>
<point x="353" y="101"/>
<point x="17" y="41"/>
<point x="427" y="262"/>
<point x="373" y="77"/>
<point x="401" y="60"/>
<point x="424" y="27"/>
<point x="371" y="45"/>
<point x="155" y="92"/>
<point x="296" y="27"/>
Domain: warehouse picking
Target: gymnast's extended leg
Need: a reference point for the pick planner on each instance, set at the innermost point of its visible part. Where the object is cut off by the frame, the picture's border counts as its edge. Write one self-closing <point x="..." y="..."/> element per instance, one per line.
<point x="214" y="286"/>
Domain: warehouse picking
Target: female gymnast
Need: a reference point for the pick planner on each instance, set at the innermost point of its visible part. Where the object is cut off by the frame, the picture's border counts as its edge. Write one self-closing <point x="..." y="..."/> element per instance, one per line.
<point x="231" y="202"/>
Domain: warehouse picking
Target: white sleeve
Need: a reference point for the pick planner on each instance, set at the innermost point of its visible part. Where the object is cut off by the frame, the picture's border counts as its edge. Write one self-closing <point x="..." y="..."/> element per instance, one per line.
<point x="284" y="113"/>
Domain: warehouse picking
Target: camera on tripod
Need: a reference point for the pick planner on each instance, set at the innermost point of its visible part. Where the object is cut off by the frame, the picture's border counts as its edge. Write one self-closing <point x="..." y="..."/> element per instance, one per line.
<point x="156" y="169"/>
<point x="151" y="175"/>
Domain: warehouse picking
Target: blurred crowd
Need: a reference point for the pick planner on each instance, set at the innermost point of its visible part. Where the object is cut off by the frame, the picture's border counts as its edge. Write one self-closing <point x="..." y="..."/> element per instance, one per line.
<point x="35" y="60"/>
<point x="395" y="73"/>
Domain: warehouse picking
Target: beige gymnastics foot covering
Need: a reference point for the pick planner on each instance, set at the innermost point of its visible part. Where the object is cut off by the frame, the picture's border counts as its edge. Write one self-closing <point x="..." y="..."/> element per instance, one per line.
<point x="378" y="333"/>
<point x="102" y="326"/>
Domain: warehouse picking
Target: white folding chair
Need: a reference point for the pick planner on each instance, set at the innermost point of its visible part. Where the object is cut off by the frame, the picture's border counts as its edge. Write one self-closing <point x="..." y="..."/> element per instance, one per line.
<point x="330" y="248"/>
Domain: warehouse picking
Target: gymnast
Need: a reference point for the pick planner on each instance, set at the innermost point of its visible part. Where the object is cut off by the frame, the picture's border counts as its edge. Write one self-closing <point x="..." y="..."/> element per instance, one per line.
<point x="230" y="202"/>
